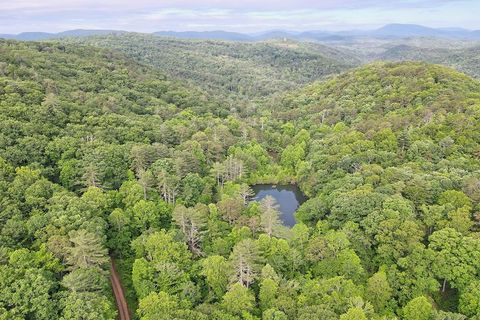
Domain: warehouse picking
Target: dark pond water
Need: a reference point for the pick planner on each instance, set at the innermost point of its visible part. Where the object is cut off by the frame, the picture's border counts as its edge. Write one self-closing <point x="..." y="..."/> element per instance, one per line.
<point x="288" y="197"/>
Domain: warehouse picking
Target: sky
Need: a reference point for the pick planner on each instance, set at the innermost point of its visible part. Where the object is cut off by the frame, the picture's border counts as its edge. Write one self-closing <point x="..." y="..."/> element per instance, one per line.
<point x="247" y="16"/>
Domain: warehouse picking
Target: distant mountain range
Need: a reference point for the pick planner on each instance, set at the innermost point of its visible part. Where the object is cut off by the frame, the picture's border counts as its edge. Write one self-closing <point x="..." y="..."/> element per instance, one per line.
<point x="34" y="36"/>
<point x="409" y="30"/>
<point x="387" y="31"/>
<point x="208" y="35"/>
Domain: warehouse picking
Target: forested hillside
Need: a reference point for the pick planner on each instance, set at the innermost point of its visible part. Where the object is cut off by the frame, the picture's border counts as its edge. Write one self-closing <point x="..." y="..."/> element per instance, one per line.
<point x="234" y="69"/>
<point x="393" y="165"/>
<point x="465" y="60"/>
<point x="101" y="156"/>
<point x="76" y="125"/>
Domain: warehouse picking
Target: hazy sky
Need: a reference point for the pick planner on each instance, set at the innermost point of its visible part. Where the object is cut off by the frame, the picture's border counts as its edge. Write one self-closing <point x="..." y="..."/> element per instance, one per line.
<point x="240" y="15"/>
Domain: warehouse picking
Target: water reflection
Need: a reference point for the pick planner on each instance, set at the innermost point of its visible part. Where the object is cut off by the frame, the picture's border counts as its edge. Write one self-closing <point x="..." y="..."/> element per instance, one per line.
<point x="288" y="197"/>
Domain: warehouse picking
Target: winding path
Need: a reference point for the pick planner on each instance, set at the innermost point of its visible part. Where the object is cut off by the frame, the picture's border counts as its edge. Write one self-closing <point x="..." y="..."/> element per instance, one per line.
<point x="123" y="312"/>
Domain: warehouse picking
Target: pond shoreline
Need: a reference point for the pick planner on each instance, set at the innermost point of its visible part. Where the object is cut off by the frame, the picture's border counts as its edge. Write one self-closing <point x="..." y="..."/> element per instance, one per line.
<point x="288" y="196"/>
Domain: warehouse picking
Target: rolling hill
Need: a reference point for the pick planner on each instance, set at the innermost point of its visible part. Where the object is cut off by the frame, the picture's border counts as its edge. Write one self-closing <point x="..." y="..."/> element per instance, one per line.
<point x="36" y="36"/>
<point x="206" y="35"/>
<point x="64" y="85"/>
<point x="413" y="30"/>
<point x="393" y="94"/>
<point x="466" y="60"/>
<point x="389" y="31"/>
<point x="246" y="70"/>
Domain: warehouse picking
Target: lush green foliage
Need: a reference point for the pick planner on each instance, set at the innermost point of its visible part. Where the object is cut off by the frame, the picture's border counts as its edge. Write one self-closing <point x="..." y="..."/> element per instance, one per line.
<point x="100" y="155"/>
<point x="464" y="59"/>
<point x="234" y="69"/>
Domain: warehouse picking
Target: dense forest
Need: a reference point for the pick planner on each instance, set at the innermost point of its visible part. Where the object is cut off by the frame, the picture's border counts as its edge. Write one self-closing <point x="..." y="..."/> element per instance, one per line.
<point x="465" y="59"/>
<point x="234" y="69"/>
<point x="107" y="153"/>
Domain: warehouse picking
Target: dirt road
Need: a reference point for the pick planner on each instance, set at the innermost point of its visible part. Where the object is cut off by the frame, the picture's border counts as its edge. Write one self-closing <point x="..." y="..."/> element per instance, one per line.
<point x="123" y="313"/>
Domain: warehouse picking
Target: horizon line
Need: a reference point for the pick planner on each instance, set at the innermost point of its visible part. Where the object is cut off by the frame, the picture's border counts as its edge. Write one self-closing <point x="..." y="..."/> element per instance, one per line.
<point x="451" y="28"/>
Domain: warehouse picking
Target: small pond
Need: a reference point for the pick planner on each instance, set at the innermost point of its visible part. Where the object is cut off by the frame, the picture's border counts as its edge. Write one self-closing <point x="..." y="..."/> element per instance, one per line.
<point x="288" y="197"/>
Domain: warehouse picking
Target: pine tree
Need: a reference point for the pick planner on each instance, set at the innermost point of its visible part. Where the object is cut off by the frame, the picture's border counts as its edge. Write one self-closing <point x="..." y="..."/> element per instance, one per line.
<point x="245" y="261"/>
<point x="87" y="250"/>
<point x="270" y="218"/>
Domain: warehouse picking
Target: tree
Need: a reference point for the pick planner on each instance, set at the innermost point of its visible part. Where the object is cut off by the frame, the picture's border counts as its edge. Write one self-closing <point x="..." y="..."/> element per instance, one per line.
<point x="161" y="246"/>
<point x="457" y="258"/>
<point x="27" y="287"/>
<point x="143" y="277"/>
<point x="146" y="180"/>
<point x="354" y="205"/>
<point x="472" y="188"/>
<point x="386" y="140"/>
<point x="167" y="185"/>
<point x="378" y="290"/>
<point x="234" y="169"/>
<point x="87" y="280"/>
<point x="418" y="309"/>
<point x="189" y="158"/>
<point x="216" y="271"/>
<point x="218" y="171"/>
<point x="141" y="158"/>
<point x="120" y="232"/>
<point x="315" y="312"/>
<point x="238" y="300"/>
<point x="148" y="214"/>
<point x="469" y="303"/>
<point x="158" y="306"/>
<point x="130" y="192"/>
<point x="279" y="255"/>
<point x="333" y="294"/>
<point x="413" y="276"/>
<point x="432" y="216"/>
<point x="354" y="313"/>
<point x="192" y="223"/>
<point x="91" y="176"/>
<point x="87" y="250"/>
<point x="274" y="314"/>
<point x="245" y="192"/>
<point x="292" y="155"/>
<point x="396" y="239"/>
<point x="270" y="217"/>
<point x="454" y="198"/>
<point x="58" y="246"/>
<point x="245" y="262"/>
<point x="88" y="306"/>
<point x="268" y="293"/>
<point x="230" y="208"/>
<point x="444" y="315"/>
<point x="460" y="220"/>
<point x="332" y="256"/>
<point x="161" y="265"/>
<point x="327" y="243"/>
<point x="192" y="188"/>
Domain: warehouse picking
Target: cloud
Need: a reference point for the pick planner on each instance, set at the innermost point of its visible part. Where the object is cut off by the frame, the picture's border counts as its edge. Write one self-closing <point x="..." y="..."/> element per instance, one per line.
<point x="249" y="5"/>
<point x="244" y="15"/>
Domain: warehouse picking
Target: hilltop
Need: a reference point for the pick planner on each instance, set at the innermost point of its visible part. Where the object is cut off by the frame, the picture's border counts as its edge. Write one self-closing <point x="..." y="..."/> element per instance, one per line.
<point x="386" y="90"/>
<point x="463" y="59"/>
